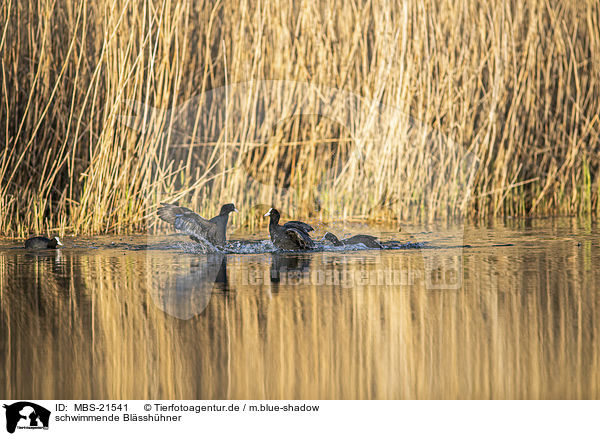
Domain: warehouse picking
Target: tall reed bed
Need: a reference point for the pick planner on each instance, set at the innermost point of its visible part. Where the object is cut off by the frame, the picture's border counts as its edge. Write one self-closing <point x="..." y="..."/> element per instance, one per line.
<point x="498" y="100"/>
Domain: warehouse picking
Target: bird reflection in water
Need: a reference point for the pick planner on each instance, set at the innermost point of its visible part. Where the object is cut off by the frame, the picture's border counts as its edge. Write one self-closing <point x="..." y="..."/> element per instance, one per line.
<point x="187" y="295"/>
<point x="288" y="268"/>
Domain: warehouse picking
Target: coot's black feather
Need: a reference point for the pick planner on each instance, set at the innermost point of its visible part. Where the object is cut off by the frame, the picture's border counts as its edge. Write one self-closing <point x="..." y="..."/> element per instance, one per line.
<point x="306" y="228"/>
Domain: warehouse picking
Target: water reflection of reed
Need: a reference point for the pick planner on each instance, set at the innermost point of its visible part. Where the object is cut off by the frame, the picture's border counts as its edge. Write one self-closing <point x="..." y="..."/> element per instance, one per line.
<point x="525" y="325"/>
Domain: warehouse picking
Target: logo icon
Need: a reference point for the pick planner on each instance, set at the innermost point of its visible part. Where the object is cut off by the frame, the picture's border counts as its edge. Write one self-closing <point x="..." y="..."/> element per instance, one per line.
<point x="26" y="415"/>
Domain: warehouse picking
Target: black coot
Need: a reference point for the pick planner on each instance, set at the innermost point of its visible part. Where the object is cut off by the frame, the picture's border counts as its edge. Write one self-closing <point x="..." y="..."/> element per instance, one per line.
<point x="293" y="235"/>
<point x="368" y="240"/>
<point x="41" y="243"/>
<point x="196" y="227"/>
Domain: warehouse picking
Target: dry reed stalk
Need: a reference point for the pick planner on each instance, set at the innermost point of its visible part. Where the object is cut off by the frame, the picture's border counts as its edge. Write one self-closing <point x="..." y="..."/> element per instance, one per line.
<point x="515" y="85"/>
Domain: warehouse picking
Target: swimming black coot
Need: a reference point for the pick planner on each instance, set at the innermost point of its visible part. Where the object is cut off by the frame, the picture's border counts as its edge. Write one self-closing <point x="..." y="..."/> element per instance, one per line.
<point x="368" y="240"/>
<point x="41" y="243"/>
<point x="293" y="235"/>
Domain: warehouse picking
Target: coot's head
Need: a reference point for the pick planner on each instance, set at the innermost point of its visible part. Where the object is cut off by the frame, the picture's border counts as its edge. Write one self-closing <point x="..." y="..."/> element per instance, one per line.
<point x="331" y="238"/>
<point x="274" y="214"/>
<point x="54" y="243"/>
<point x="227" y="209"/>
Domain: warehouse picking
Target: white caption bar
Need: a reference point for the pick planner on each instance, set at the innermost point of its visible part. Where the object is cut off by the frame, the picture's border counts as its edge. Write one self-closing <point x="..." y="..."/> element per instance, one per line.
<point x="23" y="417"/>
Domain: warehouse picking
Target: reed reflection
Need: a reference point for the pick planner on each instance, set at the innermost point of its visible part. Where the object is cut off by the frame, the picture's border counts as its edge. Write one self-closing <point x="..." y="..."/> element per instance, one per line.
<point x="119" y="324"/>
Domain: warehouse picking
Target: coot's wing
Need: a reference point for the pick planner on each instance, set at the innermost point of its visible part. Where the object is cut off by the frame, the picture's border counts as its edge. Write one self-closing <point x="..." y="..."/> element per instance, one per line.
<point x="299" y="237"/>
<point x="186" y="221"/>
<point x="299" y="225"/>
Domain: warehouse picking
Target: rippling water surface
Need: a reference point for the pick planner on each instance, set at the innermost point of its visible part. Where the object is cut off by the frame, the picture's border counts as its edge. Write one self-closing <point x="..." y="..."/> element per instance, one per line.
<point x="504" y="311"/>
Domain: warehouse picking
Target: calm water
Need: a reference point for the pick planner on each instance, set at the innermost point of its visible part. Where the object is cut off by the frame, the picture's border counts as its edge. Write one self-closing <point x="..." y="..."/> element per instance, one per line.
<point x="151" y="317"/>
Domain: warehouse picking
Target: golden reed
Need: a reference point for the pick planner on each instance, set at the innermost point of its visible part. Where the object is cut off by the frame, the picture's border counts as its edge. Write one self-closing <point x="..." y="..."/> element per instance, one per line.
<point x="514" y="84"/>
